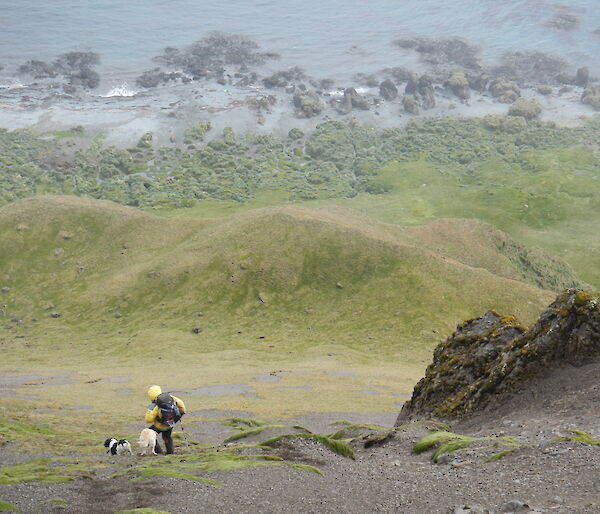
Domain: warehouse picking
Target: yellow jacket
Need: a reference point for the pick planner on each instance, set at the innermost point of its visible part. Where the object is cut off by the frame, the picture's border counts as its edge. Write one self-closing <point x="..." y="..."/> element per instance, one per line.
<point x="153" y="413"/>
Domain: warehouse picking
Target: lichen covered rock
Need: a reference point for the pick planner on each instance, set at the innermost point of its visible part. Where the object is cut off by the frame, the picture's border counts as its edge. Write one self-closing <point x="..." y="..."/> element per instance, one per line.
<point x="504" y="90"/>
<point x="307" y="104"/>
<point x="388" y="90"/>
<point x="526" y="108"/>
<point x="591" y="96"/>
<point x="489" y="357"/>
<point x="459" y="84"/>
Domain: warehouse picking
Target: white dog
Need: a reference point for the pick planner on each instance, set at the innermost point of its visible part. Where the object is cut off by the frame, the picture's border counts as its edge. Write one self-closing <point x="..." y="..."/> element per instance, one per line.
<point x="117" y="447"/>
<point x="147" y="442"/>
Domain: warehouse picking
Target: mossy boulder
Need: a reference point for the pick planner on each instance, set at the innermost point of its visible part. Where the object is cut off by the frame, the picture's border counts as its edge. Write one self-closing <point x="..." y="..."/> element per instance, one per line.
<point x="410" y="104"/>
<point x="426" y="92"/>
<point x="388" y="90"/>
<point x="307" y="104"/>
<point x="459" y="84"/>
<point x="504" y="90"/>
<point x="351" y="99"/>
<point x="488" y="358"/>
<point x="526" y="108"/>
<point x="591" y="96"/>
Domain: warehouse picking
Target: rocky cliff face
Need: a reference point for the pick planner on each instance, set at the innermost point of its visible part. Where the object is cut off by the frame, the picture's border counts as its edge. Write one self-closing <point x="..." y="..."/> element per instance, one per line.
<point x="489" y="357"/>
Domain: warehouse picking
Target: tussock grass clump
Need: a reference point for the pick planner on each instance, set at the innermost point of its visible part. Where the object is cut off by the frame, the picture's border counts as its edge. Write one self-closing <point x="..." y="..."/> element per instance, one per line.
<point x="334" y="445"/>
<point x="499" y="455"/>
<point x="220" y="459"/>
<point x="59" y="470"/>
<point x="449" y="442"/>
<point x="7" y="507"/>
<point x="579" y="436"/>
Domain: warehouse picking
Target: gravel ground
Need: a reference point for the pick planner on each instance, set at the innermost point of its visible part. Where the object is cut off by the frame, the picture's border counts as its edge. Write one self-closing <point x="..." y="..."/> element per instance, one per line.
<point x="549" y="476"/>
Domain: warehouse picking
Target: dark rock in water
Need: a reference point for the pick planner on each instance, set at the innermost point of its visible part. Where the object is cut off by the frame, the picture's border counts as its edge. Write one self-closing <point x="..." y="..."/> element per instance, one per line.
<point x="591" y="96"/>
<point x="351" y="99"/>
<point x="342" y="105"/>
<point x="426" y="92"/>
<point x="283" y="78"/>
<point x="504" y="90"/>
<point x="410" y="104"/>
<point x="398" y="73"/>
<point x="357" y="100"/>
<point x="583" y="76"/>
<point x="412" y="82"/>
<point x="208" y="57"/>
<point x="459" y="84"/>
<point x="596" y="32"/>
<point x="531" y="67"/>
<point x="526" y="108"/>
<point x="443" y="51"/>
<point x="478" y="81"/>
<point x="76" y="67"/>
<point x="544" y="90"/>
<point x="388" y="90"/>
<point x="564" y="21"/>
<point x="155" y="77"/>
<point x="307" y="104"/>
<point x="490" y="357"/>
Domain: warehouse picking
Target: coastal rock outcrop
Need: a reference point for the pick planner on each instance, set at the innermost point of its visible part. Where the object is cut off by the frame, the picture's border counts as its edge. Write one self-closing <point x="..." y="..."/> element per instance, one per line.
<point x="459" y="84"/>
<point x="351" y="99"/>
<point x="488" y="358"/>
<point x="591" y="96"/>
<point x="421" y="88"/>
<point x="504" y="90"/>
<point x="307" y="104"/>
<point x="388" y="90"/>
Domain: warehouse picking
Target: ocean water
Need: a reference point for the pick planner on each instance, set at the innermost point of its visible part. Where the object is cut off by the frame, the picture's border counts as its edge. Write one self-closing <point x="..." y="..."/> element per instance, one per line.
<point x="329" y="39"/>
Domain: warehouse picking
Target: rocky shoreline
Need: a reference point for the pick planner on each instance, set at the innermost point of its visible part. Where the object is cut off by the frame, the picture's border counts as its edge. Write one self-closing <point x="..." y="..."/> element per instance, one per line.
<point x="229" y="77"/>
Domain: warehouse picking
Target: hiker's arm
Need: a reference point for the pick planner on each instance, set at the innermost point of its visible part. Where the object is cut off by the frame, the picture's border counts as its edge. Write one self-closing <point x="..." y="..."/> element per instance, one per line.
<point x="180" y="404"/>
<point x="151" y="415"/>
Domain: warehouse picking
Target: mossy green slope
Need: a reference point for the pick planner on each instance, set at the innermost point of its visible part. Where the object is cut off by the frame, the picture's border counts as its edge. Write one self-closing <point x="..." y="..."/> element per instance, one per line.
<point x="108" y="270"/>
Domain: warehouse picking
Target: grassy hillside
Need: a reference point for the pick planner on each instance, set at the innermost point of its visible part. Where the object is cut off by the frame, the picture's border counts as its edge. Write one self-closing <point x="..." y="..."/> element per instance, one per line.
<point x="313" y="291"/>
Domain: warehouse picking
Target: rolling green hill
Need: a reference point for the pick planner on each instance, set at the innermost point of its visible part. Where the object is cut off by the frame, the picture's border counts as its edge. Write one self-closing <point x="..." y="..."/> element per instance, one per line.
<point x="97" y="286"/>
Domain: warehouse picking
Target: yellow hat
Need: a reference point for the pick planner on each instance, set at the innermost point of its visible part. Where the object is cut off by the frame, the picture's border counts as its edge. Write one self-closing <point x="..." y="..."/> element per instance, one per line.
<point x="153" y="392"/>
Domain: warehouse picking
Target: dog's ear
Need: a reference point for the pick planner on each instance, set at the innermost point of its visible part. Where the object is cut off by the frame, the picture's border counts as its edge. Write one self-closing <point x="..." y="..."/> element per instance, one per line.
<point x="107" y="442"/>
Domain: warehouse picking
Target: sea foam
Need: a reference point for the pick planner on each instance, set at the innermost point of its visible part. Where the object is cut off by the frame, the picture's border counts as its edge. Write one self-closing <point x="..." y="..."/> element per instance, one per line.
<point x="121" y="90"/>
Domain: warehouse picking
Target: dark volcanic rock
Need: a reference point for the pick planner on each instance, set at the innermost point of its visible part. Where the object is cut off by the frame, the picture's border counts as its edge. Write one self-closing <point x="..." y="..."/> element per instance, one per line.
<point x="504" y="90"/>
<point x="591" y="96"/>
<point x="526" y="67"/>
<point x="307" y="104"/>
<point x="388" y="90"/>
<point x="564" y="21"/>
<point x="459" y="84"/>
<point x="489" y="357"/>
<point x="426" y="92"/>
<point x="285" y="77"/>
<point x="410" y="104"/>
<point x="583" y="76"/>
<point x="443" y="51"/>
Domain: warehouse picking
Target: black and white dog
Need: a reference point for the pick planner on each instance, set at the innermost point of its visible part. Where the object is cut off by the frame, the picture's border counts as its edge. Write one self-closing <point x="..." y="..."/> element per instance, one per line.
<point x="117" y="447"/>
